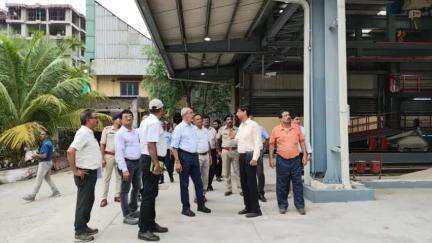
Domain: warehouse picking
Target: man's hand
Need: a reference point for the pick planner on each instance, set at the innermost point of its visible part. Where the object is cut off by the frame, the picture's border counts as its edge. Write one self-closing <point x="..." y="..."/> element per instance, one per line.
<point x="104" y="163"/>
<point x="126" y="176"/>
<point x="219" y="153"/>
<point x="272" y="163"/>
<point x="178" y="166"/>
<point x="253" y="163"/>
<point x="157" y="170"/>
<point x="80" y="173"/>
<point x="305" y="160"/>
<point x="309" y="157"/>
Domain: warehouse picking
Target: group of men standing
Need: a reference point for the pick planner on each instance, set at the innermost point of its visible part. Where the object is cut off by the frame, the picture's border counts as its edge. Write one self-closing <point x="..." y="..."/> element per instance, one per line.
<point x="138" y="157"/>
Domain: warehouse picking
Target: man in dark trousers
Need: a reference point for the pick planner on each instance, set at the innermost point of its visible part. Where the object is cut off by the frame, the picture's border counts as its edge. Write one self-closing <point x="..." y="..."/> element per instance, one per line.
<point x="287" y="138"/>
<point x="153" y="152"/>
<point x="84" y="160"/>
<point x="185" y="149"/>
<point x="249" y="146"/>
<point x="127" y="155"/>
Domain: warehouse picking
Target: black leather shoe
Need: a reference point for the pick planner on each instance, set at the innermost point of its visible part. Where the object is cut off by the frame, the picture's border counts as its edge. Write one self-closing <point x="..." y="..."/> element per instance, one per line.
<point x="301" y="211"/>
<point x="244" y="211"/>
<point x="171" y="179"/>
<point x="91" y="231"/>
<point x="253" y="215"/>
<point x="204" y="209"/>
<point x="148" y="236"/>
<point x="83" y="237"/>
<point x="262" y="198"/>
<point x="159" y="229"/>
<point x="218" y="179"/>
<point x="210" y="188"/>
<point x="188" y="213"/>
<point x="227" y="193"/>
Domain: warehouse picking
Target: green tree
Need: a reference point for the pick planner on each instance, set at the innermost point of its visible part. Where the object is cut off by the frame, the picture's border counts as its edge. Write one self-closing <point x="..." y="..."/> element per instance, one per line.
<point x="158" y="85"/>
<point x="39" y="88"/>
<point x="211" y="99"/>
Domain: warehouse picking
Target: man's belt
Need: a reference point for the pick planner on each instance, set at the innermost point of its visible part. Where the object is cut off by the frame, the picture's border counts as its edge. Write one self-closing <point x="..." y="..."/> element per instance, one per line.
<point x="229" y="148"/>
<point x="109" y="152"/>
<point x="203" y="153"/>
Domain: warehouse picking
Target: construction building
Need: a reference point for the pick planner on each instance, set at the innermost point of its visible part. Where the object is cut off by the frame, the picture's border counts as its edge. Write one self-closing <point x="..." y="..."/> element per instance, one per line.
<point x="359" y="72"/>
<point x="114" y="51"/>
<point x="59" y="21"/>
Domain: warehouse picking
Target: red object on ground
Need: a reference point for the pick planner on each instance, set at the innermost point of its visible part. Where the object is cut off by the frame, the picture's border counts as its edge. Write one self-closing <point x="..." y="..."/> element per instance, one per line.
<point x="375" y="167"/>
<point x="360" y="167"/>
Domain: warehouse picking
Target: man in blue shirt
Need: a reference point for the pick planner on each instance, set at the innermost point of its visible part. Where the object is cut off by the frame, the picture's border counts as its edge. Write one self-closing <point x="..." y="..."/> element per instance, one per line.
<point x="184" y="144"/>
<point x="44" y="167"/>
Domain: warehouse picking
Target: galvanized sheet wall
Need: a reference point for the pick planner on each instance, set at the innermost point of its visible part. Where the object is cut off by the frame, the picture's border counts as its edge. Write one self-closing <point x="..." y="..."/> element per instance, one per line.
<point x="119" y="47"/>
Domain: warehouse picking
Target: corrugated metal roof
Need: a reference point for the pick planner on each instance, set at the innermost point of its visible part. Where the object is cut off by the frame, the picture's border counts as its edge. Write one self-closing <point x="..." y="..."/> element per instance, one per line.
<point x="194" y="17"/>
<point x="119" y="47"/>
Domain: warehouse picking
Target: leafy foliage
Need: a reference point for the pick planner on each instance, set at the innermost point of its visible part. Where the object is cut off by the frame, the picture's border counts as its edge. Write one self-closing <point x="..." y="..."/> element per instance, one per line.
<point x="39" y="88"/>
<point x="211" y="99"/>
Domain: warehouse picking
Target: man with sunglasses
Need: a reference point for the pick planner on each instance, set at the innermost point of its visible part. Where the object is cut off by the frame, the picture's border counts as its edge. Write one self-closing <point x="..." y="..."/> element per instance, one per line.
<point x="84" y="160"/>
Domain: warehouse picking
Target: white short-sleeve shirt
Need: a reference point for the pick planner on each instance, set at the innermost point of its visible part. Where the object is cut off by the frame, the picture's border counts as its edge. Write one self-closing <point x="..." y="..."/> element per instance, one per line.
<point x="88" y="155"/>
<point x="151" y="130"/>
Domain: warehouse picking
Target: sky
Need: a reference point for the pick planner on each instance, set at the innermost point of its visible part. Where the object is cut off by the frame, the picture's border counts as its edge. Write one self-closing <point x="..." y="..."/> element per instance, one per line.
<point x="124" y="9"/>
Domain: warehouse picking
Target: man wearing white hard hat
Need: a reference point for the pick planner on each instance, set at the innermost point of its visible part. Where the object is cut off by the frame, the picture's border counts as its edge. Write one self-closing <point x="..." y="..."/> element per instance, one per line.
<point x="153" y="150"/>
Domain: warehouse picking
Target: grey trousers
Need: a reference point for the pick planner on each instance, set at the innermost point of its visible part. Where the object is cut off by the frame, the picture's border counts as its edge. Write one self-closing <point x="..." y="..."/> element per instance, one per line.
<point x="43" y="173"/>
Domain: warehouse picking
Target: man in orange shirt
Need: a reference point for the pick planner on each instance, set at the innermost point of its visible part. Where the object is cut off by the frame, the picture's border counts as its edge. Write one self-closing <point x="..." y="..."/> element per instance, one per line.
<point x="287" y="137"/>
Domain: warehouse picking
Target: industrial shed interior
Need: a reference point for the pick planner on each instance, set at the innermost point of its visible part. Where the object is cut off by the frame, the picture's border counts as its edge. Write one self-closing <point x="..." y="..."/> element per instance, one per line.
<point x="259" y="45"/>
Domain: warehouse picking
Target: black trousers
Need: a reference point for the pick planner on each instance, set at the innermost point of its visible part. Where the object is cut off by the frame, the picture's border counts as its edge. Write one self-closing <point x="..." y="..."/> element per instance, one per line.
<point x="169" y="165"/>
<point x="85" y="199"/>
<point x="149" y="193"/>
<point x="260" y="174"/>
<point x="219" y="167"/>
<point x="129" y="206"/>
<point x="248" y="180"/>
<point x="213" y="167"/>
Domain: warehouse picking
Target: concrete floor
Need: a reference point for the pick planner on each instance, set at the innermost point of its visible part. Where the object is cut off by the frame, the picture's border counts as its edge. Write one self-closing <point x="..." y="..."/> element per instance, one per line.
<point x="396" y="216"/>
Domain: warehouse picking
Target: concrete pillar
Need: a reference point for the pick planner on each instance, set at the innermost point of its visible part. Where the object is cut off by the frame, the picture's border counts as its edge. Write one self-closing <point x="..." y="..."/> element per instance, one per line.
<point x="24" y="29"/>
<point x="47" y="22"/>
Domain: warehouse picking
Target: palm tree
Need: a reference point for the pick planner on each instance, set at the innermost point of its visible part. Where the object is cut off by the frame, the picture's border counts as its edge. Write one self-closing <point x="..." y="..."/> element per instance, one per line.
<point x="39" y="88"/>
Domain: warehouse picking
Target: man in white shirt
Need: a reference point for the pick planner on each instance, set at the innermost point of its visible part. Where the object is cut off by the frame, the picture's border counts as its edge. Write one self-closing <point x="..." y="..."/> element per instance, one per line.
<point x="153" y="152"/>
<point x="297" y="121"/>
<point x="249" y="147"/>
<point x="203" y="149"/>
<point x="213" y="151"/>
<point x="85" y="159"/>
<point x="108" y="159"/>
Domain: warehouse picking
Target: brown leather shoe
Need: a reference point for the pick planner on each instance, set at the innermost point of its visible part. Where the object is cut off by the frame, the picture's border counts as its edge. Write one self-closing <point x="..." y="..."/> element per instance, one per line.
<point x="117" y="199"/>
<point x="103" y="203"/>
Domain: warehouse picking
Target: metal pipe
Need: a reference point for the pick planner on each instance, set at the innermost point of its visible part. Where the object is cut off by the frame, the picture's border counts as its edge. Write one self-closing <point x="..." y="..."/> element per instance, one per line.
<point x="343" y="96"/>
<point x="306" y="75"/>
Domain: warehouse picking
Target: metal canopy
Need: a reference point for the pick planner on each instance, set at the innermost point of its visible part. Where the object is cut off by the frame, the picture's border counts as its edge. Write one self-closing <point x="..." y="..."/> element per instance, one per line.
<point x="255" y="35"/>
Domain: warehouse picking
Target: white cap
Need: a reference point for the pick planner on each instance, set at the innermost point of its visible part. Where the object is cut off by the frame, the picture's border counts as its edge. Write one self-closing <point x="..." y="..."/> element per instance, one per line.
<point x="155" y="104"/>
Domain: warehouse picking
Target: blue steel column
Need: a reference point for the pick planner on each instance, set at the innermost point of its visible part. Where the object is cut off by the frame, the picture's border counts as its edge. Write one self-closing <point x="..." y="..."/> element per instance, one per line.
<point x="326" y="132"/>
<point x="318" y="123"/>
<point x="333" y="173"/>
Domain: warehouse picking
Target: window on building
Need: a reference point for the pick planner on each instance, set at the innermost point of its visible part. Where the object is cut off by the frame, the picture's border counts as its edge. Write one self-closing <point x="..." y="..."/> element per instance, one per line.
<point x="58" y="14"/>
<point x="36" y="14"/>
<point x="129" y="88"/>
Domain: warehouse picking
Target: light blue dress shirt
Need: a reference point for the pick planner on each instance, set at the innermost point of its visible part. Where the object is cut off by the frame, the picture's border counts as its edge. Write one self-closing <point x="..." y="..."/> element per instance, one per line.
<point x="127" y="146"/>
<point x="184" y="137"/>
